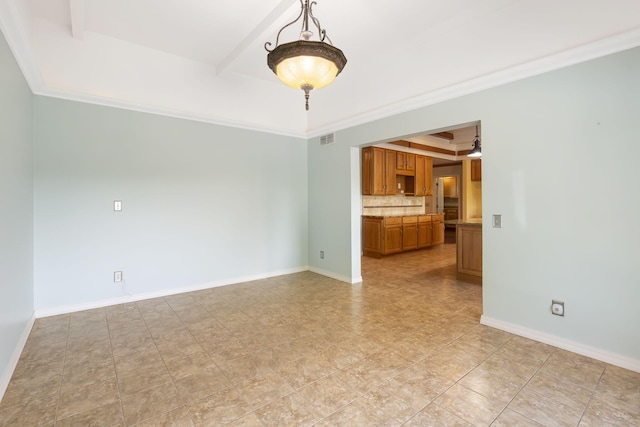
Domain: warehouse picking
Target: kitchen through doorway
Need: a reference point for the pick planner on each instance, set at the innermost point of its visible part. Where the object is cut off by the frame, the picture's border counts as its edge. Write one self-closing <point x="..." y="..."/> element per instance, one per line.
<point x="400" y="207"/>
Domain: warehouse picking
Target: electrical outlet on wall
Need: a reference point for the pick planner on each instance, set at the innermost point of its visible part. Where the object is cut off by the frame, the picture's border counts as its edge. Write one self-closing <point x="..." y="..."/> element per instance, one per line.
<point x="557" y="308"/>
<point x="117" y="276"/>
<point x="321" y="254"/>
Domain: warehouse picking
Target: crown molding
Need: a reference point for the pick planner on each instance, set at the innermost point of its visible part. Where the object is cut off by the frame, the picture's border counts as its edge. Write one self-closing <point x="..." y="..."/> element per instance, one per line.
<point x="146" y="108"/>
<point x="600" y="48"/>
<point x="14" y="30"/>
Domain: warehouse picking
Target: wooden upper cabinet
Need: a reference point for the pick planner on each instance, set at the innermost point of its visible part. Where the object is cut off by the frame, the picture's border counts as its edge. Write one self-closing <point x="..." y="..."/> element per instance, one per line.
<point x="476" y="170"/>
<point x="424" y="176"/>
<point x="390" y="172"/>
<point x="405" y="163"/>
<point x="380" y="167"/>
<point x="450" y="186"/>
<point x="376" y="171"/>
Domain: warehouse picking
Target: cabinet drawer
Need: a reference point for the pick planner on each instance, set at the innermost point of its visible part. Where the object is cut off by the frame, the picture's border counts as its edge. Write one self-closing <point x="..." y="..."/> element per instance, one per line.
<point x="424" y="218"/>
<point x="396" y="220"/>
<point x="439" y="217"/>
<point x="410" y="220"/>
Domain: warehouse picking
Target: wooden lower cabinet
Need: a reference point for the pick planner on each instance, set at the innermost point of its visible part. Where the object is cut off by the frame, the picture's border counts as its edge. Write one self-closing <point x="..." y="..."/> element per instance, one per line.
<point x="424" y="231"/>
<point x="437" y="228"/>
<point x="390" y="235"/>
<point x="392" y="242"/>
<point x="372" y="236"/>
<point x="409" y="233"/>
<point x="469" y="248"/>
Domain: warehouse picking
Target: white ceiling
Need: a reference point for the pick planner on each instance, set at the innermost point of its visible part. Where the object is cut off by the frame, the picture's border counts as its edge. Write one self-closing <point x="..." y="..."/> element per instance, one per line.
<point x="205" y="60"/>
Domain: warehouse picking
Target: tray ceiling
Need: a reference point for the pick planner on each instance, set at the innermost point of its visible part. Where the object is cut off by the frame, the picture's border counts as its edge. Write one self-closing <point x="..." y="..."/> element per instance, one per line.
<point x="205" y="60"/>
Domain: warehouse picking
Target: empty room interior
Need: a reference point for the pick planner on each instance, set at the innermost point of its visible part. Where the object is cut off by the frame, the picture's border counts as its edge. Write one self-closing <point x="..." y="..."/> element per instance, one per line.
<point x="186" y="241"/>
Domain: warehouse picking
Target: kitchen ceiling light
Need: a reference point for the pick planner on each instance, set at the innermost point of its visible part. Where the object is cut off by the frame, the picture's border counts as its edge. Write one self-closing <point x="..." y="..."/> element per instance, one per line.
<point x="306" y="64"/>
<point x="475" y="151"/>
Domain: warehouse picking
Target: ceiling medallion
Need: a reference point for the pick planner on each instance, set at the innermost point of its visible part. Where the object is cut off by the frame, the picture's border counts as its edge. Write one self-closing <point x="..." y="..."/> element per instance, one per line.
<point x="306" y="64"/>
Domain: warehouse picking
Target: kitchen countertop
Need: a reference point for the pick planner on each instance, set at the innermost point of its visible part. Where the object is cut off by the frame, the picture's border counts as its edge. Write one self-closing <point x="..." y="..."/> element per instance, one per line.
<point x="469" y="221"/>
<point x="394" y="216"/>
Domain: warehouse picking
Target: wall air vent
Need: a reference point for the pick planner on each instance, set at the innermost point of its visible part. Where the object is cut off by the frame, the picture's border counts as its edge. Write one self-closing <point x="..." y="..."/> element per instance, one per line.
<point x="327" y="139"/>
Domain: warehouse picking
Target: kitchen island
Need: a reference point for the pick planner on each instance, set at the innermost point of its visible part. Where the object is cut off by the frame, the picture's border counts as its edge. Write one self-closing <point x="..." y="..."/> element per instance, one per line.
<point x="469" y="249"/>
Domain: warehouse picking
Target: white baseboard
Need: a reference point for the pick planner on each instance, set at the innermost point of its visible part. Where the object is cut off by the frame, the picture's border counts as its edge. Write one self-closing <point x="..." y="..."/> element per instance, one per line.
<point x="336" y="276"/>
<point x="54" y="311"/>
<point x="15" y="356"/>
<point x="565" y="344"/>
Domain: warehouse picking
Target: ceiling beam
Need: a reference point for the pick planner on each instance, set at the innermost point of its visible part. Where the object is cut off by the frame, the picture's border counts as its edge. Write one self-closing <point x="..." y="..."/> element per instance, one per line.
<point x="252" y="37"/>
<point x="424" y="147"/>
<point x="77" y="18"/>
<point x="443" y="135"/>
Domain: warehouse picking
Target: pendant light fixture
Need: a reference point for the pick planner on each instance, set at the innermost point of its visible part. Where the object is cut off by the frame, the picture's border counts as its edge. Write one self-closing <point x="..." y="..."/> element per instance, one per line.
<point x="475" y="151"/>
<point x="306" y="64"/>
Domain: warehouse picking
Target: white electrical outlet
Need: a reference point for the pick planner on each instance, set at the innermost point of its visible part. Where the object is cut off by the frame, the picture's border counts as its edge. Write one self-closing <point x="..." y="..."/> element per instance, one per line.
<point x="117" y="276"/>
<point x="117" y="205"/>
<point x="557" y="308"/>
<point x="321" y="254"/>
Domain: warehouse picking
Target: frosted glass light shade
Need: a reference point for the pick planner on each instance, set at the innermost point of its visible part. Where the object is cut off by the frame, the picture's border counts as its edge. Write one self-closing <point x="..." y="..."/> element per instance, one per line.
<point x="306" y="63"/>
<point x="303" y="70"/>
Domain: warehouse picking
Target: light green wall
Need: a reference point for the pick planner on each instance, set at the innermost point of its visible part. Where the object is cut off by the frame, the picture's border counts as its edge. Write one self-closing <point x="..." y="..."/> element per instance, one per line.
<point x="206" y="204"/>
<point x="202" y="203"/>
<point x="560" y="157"/>
<point x="16" y="210"/>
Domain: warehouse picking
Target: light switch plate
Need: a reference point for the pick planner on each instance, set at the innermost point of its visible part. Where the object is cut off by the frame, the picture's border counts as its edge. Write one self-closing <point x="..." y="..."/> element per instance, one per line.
<point x="497" y="221"/>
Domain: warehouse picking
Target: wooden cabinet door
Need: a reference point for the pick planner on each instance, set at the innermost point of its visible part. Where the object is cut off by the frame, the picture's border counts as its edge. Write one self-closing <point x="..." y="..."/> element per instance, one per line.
<point x="450" y="214"/>
<point x="409" y="233"/>
<point x="450" y="186"/>
<point x="424" y="234"/>
<point x="373" y="171"/>
<point x="392" y="239"/>
<point x="367" y="171"/>
<point x="390" y="172"/>
<point x="424" y="176"/>
<point x="409" y="237"/>
<point x="405" y="163"/>
<point x="476" y="170"/>
<point x="428" y="176"/>
<point x="421" y="188"/>
<point x="372" y="236"/>
<point x="469" y="242"/>
<point x="437" y="229"/>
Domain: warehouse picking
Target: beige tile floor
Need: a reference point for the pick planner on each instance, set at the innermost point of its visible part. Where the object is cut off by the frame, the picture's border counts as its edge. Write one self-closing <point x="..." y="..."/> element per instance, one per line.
<point x="403" y="348"/>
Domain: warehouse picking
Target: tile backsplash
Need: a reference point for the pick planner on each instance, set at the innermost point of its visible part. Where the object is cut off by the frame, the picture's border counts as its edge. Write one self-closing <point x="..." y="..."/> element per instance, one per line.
<point x="395" y="205"/>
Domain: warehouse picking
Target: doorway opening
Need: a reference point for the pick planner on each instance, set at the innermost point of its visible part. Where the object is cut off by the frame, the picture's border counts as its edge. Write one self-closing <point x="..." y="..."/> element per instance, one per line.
<point x="398" y="205"/>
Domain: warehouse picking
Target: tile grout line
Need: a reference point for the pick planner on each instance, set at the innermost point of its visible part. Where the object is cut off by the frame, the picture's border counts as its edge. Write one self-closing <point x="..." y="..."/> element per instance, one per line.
<point x="523" y="387"/>
<point x="593" y="393"/>
<point x="64" y="362"/>
<point x="115" y="371"/>
<point x="173" y="381"/>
